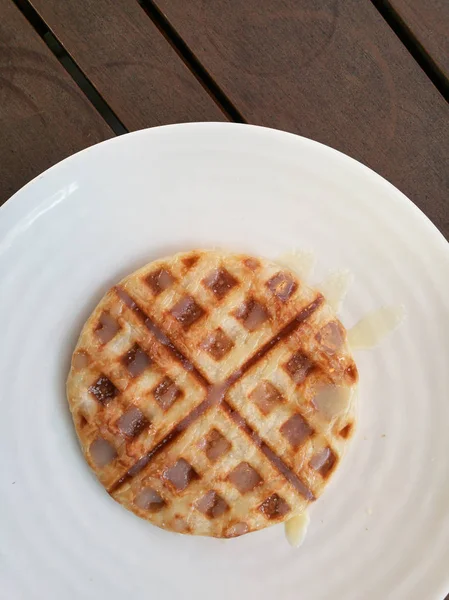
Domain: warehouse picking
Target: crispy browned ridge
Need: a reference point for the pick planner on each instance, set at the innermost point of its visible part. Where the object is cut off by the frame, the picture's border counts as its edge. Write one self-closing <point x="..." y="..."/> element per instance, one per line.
<point x="211" y="399"/>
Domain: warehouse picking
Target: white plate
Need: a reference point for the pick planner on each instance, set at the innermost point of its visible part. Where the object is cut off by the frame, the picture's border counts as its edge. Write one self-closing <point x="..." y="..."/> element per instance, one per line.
<point x="381" y="530"/>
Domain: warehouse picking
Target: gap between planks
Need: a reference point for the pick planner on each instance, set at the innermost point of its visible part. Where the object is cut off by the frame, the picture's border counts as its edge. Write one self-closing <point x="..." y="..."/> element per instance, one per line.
<point x="58" y="50"/>
<point x="191" y="61"/>
<point x="413" y="45"/>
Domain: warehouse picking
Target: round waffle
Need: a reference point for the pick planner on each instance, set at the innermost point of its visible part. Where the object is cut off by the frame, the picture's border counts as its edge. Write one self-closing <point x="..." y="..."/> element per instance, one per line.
<point x="212" y="393"/>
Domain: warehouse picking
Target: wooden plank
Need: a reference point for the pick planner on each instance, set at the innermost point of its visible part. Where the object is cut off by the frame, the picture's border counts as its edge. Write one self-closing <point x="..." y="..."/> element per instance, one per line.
<point x="332" y="71"/>
<point x="429" y="22"/>
<point x="129" y="61"/>
<point x="43" y="115"/>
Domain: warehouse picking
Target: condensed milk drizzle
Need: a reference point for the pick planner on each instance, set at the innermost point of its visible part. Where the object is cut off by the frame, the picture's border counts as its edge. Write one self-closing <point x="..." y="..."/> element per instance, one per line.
<point x="335" y="287"/>
<point x="375" y="326"/>
<point x="296" y="529"/>
<point x="301" y="263"/>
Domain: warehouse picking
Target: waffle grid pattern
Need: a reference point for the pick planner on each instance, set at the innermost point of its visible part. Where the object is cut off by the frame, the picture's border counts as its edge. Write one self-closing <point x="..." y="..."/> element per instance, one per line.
<point x="190" y="367"/>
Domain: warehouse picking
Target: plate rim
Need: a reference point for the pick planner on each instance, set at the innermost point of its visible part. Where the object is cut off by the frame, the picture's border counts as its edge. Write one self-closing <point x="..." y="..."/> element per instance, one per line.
<point x="17" y="200"/>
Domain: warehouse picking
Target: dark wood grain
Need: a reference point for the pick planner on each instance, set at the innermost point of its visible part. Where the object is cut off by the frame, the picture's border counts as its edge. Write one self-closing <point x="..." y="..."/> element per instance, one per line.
<point x="129" y="61"/>
<point x="333" y="71"/>
<point x="43" y="115"/>
<point x="428" y="20"/>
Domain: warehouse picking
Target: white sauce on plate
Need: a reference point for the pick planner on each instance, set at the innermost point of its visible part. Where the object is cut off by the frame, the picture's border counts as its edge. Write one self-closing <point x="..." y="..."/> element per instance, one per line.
<point x="296" y="529"/>
<point x="335" y="287"/>
<point x="375" y="326"/>
<point x="301" y="263"/>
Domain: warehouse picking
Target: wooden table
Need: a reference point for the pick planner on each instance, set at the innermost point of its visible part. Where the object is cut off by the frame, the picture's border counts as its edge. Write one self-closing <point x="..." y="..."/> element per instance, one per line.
<point x="369" y="77"/>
